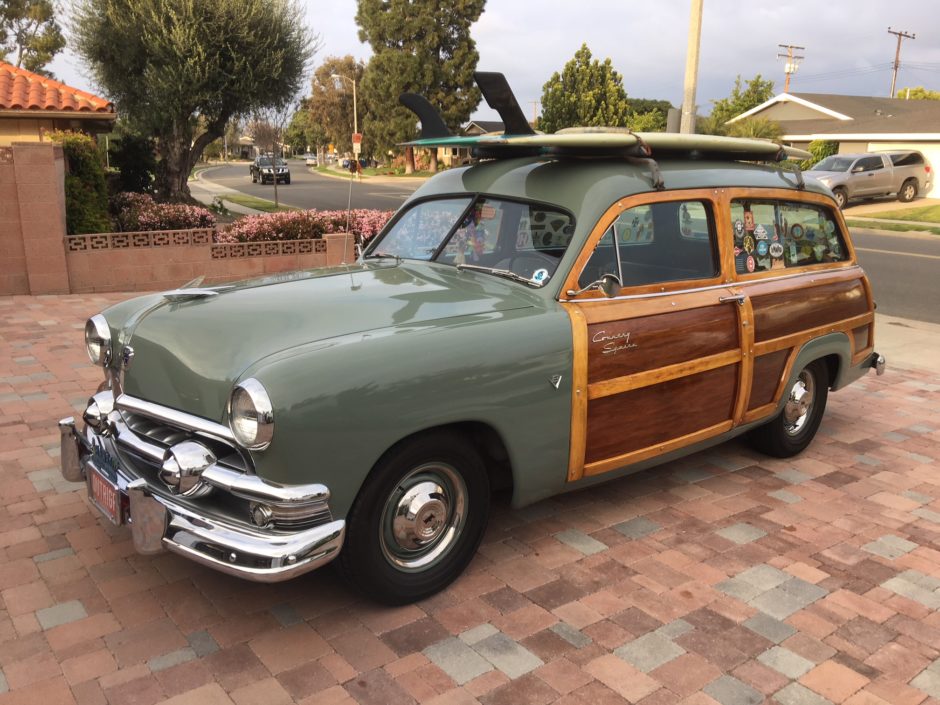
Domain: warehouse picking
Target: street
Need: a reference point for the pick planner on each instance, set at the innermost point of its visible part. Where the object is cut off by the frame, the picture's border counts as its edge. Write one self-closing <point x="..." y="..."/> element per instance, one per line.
<point x="310" y="190"/>
<point x="903" y="272"/>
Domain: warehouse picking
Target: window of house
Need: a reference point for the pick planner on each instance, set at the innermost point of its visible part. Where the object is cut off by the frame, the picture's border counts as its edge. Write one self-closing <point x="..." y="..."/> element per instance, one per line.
<point x="779" y="234"/>
<point x="656" y="243"/>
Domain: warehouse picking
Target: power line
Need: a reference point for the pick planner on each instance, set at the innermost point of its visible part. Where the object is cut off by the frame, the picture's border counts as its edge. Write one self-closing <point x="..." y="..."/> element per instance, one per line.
<point x="897" y="56"/>
<point x="846" y="73"/>
<point x="793" y="62"/>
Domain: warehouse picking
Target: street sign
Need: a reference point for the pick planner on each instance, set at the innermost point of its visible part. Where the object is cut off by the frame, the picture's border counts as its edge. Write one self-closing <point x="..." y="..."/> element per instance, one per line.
<point x="357" y="138"/>
<point x="357" y="148"/>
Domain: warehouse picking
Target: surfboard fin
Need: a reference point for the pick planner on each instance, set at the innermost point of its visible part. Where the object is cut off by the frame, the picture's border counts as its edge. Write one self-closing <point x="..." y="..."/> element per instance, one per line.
<point x="499" y="96"/>
<point x="432" y="124"/>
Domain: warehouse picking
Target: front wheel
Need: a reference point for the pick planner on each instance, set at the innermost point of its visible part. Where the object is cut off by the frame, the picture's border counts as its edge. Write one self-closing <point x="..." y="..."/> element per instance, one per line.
<point x="908" y="191"/>
<point x="842" y="197"/>
<point x="791" y="431"/>
<point x="418" y="519"/>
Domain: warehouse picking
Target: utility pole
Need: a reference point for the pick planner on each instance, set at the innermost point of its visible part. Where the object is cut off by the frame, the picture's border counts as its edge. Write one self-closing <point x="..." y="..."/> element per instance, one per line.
<point x="897" y="56"/>
<point x="793" y="62"/>
<point x="535" y="113"/>
<point x="687" y="125"/>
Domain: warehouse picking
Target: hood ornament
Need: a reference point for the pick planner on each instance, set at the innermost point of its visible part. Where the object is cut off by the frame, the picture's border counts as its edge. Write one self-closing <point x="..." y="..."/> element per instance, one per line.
<point x="556" y="381"/>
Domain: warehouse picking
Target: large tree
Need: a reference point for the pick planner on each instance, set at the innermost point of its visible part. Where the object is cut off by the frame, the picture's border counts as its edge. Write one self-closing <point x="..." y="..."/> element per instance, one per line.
<point x="29" y="31"/>
<point x="585" y="93"/>
<point x="181" y="69"/>
<point x="331" y="99"/>
<point x="303" y="133"/>
<point x="744" y="96"/>
<point x="419" y="46"/>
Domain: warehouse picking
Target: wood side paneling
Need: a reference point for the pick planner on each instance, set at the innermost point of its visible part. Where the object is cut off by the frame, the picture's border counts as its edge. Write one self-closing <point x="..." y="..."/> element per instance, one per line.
<point x="793" y="310"/>
<point x="619" y="348"/>
<point x="768" y="370"/>
<point x="644" y="417"/>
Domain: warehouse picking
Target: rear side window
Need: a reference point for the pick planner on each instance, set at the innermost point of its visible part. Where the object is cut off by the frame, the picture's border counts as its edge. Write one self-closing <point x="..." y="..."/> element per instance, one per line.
<point x="907" y="159"/>
<point x="780" y="234"/>
<point x="656" y="243"/>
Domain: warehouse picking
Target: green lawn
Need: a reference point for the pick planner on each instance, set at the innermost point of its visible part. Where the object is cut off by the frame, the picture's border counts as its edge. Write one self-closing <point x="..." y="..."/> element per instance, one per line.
<point x="259" y="204"/>
<point x="925" y="214"/>
<point x="898" y="227"/>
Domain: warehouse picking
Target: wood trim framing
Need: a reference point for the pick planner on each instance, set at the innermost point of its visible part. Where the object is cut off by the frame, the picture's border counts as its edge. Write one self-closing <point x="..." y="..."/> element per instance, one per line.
<point x="579" y="391"/>
<point x="636" y="456"/>
<point x="608" y="387"/>
<point x="746" y="338"/>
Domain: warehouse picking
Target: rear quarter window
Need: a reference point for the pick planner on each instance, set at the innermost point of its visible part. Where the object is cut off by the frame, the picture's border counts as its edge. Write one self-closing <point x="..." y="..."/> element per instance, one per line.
<point x="771" y="235"/>
<point x="909" y="159"/>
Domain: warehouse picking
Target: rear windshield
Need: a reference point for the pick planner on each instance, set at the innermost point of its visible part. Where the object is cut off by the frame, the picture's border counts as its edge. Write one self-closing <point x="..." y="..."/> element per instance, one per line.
<point x="834" y="164"/>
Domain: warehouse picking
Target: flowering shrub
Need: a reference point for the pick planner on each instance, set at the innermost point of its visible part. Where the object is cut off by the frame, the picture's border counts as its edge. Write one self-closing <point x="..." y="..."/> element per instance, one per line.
<point x="138" y="211"/>
<point x="304" y="225"/>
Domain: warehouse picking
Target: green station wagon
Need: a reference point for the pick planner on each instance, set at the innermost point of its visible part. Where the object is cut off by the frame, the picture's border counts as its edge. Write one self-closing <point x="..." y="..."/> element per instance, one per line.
<point x="571" y="308"/>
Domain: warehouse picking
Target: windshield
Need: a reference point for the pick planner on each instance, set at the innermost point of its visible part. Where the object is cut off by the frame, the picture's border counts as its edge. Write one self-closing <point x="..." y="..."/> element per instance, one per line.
<point x="266" y="161"/>
<point x="522" y="241"/>
<point x="834" y="164"/>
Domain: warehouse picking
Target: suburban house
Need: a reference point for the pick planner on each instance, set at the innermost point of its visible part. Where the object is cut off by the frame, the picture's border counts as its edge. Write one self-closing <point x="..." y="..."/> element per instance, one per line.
<point x="32" y="105"/>
<point x="857" y="123"/>
<point x="455" y="156"/>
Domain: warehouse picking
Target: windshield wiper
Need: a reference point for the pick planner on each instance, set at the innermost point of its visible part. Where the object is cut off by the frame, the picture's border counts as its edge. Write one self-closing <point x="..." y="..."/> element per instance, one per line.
<point x="505" y="273"/>
<point x="382" y="255"/>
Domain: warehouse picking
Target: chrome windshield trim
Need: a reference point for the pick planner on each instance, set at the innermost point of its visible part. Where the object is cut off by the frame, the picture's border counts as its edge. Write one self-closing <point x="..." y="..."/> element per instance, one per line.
<point x="175" y="418"/>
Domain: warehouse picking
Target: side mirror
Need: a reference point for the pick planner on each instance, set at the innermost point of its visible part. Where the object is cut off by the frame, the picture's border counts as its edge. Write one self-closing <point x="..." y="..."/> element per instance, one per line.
<point x="610" y="284"/>
<point x="857" y="169"/>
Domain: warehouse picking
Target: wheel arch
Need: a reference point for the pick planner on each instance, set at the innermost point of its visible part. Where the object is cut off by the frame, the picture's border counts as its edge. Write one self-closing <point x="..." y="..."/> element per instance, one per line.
<point x="834" y="349"/>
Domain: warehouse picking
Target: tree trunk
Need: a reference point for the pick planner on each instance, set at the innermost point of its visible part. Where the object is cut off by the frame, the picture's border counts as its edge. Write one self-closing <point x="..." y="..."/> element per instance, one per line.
<point x="432" y="166"/>
<point x="409" y="160"/>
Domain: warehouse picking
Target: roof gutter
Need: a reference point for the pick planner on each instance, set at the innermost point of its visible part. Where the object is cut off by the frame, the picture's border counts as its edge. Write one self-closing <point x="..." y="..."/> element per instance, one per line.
<point x="66" y="114"/>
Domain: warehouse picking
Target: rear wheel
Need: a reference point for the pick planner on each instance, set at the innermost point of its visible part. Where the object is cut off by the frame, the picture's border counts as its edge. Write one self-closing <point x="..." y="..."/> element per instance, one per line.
<point x="418" y="519"/>
<point x="792" y="430"/>
<point x="842" y="197"/>
<point x="908" y="191"/>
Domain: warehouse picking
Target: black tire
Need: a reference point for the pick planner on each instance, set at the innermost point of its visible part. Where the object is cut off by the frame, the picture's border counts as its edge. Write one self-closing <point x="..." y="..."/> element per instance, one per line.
<point x="254" y="178"/>
<point x="842" y="197"/>
<point x="287" y="181"/>
<point x="908" y="191"/>
<point x="792" y="430"/>
<point x="442" y="480"/>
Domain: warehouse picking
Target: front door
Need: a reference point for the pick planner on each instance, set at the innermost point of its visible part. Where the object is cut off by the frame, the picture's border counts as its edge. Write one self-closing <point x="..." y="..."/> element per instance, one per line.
<point x="661" y="365"/>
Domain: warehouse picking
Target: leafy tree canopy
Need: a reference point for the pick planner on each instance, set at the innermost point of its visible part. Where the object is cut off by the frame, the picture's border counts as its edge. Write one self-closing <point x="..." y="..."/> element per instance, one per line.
<point x="648" y="115"/>
<point x="760" y="128"/>
<point x="585" y="93"/>
<point x="167" y="62"/>
<point x="303" y="132"/>
<point x="30" y="33"/>
<point x="918" y="93"/>
<point x="744" y="96"/>
<point x="331" y="100"/>
<point x="419" y="46"/>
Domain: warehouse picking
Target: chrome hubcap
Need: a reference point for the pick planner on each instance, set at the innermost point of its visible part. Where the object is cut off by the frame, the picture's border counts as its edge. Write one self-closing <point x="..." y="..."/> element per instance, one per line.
<point x="423" y="517"/>
<point x="800" y="403"/>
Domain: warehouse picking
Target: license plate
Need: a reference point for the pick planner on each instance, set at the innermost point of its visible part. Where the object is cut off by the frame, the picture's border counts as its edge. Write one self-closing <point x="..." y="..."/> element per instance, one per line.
<point x="105" y="495"/>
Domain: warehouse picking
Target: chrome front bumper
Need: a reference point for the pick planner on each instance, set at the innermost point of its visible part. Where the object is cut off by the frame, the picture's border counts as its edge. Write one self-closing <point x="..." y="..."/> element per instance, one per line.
<point x="877" y="362"/>
<point x="160" y="523"/>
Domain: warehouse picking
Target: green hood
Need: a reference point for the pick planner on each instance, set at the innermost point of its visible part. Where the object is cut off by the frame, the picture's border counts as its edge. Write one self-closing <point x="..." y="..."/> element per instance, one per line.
<point x="188" y="354"/>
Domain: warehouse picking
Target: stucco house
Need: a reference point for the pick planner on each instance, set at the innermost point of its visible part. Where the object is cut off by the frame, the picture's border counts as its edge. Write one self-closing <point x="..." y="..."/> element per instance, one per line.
<point x="32" y="105"/>
<point x="857" y="123"/>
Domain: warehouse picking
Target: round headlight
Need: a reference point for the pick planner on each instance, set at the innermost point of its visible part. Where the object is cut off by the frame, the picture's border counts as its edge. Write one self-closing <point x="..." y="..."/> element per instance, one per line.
<point x="251" y="416"/>
<point x="98" y="340"/>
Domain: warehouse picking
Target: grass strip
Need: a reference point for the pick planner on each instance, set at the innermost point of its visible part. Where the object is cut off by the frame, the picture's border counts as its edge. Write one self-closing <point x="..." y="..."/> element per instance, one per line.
<point x="258" y="204"/>
<point x="897" y="227"/>
<point x="926" y="214"/>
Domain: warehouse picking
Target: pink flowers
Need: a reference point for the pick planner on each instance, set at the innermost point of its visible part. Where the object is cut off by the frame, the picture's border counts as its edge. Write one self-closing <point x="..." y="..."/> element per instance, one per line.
<point x="138" y="211"/>
<point x="304" y="225"/>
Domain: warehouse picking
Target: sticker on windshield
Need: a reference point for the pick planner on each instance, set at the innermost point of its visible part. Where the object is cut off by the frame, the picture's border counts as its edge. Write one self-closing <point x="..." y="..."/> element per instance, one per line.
<point x="540" y="276"/>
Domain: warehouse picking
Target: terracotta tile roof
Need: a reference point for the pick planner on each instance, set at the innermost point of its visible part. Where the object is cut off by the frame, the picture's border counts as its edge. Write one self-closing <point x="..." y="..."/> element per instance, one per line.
<point x="25" y="90"/>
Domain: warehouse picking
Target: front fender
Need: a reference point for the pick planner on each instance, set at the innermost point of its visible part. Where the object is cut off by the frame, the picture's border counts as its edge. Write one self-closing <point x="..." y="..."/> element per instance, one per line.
<point x="341" y="403"/>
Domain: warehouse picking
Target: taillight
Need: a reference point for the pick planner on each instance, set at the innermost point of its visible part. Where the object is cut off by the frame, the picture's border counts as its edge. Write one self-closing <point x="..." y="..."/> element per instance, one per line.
<point x="927" y="168"/>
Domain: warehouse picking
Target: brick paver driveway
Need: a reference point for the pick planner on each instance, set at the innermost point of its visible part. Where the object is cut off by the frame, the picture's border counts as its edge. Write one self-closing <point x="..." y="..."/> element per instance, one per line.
<point x="727" y="577"/>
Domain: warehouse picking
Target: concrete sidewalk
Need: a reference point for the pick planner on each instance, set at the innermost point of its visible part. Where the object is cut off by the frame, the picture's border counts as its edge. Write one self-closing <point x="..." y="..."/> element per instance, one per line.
<point x="206" y="192"/>
<point x="726" y="578"/>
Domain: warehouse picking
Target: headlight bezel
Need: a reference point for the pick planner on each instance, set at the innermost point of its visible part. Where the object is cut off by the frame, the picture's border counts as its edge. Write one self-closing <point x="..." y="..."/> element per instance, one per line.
<point x="249" y="403"/>
<point x="98" y="333"/>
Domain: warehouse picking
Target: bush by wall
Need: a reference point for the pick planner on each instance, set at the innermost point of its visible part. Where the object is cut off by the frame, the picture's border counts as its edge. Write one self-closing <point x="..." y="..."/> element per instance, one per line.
<point x="304" y="225"/>
<point x="820" y="149"/>
<point x="86" y="189"/>
<point x="138" y="211"/>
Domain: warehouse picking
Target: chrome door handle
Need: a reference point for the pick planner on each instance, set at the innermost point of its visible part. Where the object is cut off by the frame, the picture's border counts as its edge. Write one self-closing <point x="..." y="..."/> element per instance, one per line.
<point x="739" y="298"/>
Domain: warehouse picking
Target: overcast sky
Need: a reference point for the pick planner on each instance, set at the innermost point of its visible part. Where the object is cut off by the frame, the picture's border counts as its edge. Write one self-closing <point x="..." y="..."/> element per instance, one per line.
<point x="848" y="49"/>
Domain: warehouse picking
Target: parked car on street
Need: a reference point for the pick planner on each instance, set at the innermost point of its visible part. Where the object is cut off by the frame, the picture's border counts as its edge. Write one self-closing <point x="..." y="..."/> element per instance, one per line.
<point x="573" y="308"/>
<point x="850" y="176"/>
<point x="266" y="169"/>
<point x="310" y="159"/>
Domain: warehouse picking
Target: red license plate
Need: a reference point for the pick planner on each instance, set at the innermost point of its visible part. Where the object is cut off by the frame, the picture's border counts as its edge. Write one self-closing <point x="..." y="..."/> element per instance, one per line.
<point x="105" y="495"/>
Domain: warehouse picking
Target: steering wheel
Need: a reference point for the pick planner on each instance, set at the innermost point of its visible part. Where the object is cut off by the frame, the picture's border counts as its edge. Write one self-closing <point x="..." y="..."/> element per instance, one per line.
<point x="525" y="264"/>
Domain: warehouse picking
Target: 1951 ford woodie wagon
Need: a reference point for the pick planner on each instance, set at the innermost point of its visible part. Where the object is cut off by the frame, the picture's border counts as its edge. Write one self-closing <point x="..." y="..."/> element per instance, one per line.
<point x="538" y="322"/>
